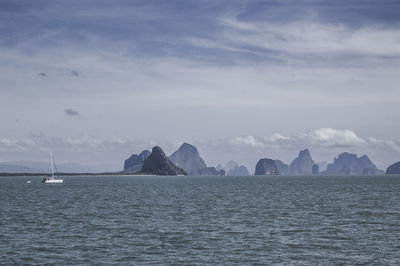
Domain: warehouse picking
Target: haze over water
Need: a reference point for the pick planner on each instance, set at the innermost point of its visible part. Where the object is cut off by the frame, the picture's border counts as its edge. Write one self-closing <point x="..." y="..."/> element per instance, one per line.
<point x="201" y="220"/>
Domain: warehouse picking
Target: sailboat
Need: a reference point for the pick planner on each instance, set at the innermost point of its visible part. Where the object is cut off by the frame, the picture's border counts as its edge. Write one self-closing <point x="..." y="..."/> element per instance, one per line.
<point x="52" y="179"/>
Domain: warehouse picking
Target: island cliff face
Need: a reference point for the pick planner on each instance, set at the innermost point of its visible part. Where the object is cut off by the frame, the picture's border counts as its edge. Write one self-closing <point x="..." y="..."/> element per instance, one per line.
<point x="283" y="168"/>
<point x="349" y="164"/>
<point x="302" y="165"/>
<point x="394" y="169"/>
<point x="266" y="167"/>
<point x="188" y="158"/>
<point x="135" y="163"/>
<point x="158" y="164"/>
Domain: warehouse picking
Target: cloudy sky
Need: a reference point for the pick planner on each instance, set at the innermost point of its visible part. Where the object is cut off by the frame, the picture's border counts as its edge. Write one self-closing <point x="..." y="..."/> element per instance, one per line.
<point x="95" y="81"/>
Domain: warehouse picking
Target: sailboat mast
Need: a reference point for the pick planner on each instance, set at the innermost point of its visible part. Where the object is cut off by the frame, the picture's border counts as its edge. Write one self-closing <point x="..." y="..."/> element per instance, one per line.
<point x="52" y="167"/>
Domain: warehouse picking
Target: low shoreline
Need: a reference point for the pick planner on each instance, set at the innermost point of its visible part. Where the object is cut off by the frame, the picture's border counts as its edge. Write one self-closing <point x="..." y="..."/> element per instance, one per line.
<point x="67" y="174"/>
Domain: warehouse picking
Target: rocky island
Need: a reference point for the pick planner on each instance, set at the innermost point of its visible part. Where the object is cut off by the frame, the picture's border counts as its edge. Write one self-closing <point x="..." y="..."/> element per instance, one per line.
<point x="303" y="164"/>
<point x="394" y="169"/>
<point x="349" y="164"/>
<point x="188" y="158"/>
<point x="157" y="163"/>
<point x="134" y="163"/>
<point x="266" y="167"/>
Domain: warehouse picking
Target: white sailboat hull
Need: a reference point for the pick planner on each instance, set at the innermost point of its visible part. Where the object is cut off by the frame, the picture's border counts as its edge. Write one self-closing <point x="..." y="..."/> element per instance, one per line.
<point x="53" y="181"/>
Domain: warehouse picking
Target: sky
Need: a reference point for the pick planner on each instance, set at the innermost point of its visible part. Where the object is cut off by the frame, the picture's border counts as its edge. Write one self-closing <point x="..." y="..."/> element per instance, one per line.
<point x="95" y="81"/>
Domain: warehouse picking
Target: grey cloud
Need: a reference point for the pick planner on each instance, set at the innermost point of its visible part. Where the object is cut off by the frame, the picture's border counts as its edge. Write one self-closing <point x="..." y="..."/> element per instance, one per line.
<point x="189" y="60"/>
<point x="75" y="73"/>
<point x="71" y="112"/>
<point x="42" y="74"/>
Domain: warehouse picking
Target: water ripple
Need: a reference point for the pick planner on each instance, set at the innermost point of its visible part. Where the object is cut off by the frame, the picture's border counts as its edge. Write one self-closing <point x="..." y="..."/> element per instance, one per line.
<point x="200" y="220"/>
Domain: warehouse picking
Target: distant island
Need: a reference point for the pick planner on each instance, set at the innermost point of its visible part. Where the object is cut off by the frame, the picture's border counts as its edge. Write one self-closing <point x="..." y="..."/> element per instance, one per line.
<point x="186" y="160"/>
<point x="394" y="169"/>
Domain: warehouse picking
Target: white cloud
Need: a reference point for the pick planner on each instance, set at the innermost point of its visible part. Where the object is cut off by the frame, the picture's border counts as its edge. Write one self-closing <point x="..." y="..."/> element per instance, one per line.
<point x="324" y="137"/>
<point x="84" y="140"/>
<point x="332" y="137"/>
<point x="6" y="141"/>
<point x="7" y="144"/>
<point x="247" y="140"/>
<point x="310" y="37"/>
<point x="275" y="137"/>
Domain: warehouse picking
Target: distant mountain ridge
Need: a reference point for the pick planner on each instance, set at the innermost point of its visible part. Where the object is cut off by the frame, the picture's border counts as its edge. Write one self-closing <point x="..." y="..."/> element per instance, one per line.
<point x="9" y="168"/>
<point x="44" y="167"/>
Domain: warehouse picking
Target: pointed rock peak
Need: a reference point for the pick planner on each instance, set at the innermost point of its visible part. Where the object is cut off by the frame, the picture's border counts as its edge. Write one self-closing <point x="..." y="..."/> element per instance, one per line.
<point x="188" y="157"/>
<point x="143" y="155"/>
<point x="304" y="153"/>
<point x="132" y="157"/>
<point x="302" y="165"/>
<point x="187" y="145"/>
<point x="144" y="152"/>
<point x="159" y="164"/>
<point x="134" y="162"/>
<point x="188" y="148"/>
<point x="365" y="158"/>
<point x="157" y="151"/>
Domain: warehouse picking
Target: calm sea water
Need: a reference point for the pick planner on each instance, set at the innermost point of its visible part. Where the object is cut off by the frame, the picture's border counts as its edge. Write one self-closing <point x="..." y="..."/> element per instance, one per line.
<point x="200" y="220"/>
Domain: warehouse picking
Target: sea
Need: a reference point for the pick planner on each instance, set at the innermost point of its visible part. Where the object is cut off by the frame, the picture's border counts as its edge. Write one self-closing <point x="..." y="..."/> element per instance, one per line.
<point x="174" y="220"/>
